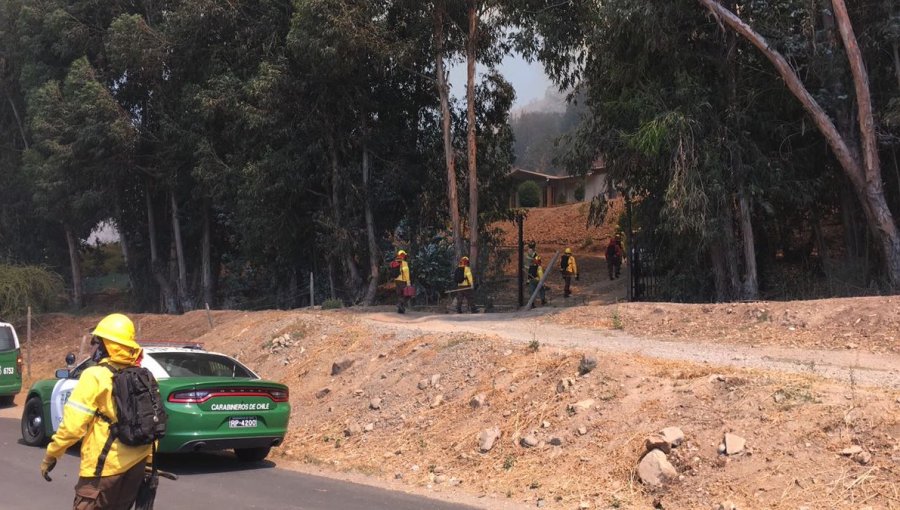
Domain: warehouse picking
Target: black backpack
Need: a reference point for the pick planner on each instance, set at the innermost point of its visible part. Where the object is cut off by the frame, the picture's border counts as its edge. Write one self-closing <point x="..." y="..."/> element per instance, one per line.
<point x="459" y="275"/>
<point x="532" y="271"/>
<point x="396" y="268"/>
<point x="141" y="417"/>
<point x="564" y="263"/>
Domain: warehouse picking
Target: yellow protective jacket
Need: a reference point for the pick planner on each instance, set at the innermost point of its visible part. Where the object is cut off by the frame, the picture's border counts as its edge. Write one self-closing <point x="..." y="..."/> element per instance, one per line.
<point x="404" y="273"/>
<point x="468" y="279"/>
<point x="93" y="393"/>
<point x="572" y="268"/>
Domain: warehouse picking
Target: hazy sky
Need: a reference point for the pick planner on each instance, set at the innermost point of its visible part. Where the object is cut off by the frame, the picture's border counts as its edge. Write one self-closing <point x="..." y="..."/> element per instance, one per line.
<point x="529" y="80"/>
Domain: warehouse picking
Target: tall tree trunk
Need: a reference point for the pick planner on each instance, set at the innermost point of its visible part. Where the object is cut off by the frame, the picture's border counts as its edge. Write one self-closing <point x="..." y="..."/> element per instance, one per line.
<point x="449" y="155"/>
<point x="471" y="142"/>
<point x="15" y="111"/>
<point x="151" y="224"/>
<point x="75" y="264"/>
<point x="751" y="286"/>
<point x="354" y="280"/>
<point x="848" y="221"/>
<point x="331" y="278"/>
<point x="720" y="275"/>
<point x="896" y="51"/>
<point x="179" y="256"/>
<point x="206" y="258"/>
<point x="730" y="255"/>
<point x="374" y="259"/>
<point x="156" y="268"/>
<point x="860" y="163"/>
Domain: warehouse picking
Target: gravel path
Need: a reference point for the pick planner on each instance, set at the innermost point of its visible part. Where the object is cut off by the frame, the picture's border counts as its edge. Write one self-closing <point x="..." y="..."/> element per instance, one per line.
<point x="850" y="366"/>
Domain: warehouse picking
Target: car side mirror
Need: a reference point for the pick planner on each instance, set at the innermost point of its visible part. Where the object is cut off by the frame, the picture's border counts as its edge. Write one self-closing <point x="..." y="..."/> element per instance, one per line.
<point x="62" y="373"/>
<point x="70" y="359"/>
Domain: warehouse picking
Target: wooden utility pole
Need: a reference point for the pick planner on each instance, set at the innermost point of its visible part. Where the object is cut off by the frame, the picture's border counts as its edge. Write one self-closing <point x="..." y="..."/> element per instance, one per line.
<point x="28" y="341"/>
<point x="520" y="219"/>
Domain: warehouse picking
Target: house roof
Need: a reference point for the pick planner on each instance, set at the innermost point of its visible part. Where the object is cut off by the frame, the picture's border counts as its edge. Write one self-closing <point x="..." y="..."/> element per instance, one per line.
<point x="521" y="172"/>
<point x="598" y="166"/>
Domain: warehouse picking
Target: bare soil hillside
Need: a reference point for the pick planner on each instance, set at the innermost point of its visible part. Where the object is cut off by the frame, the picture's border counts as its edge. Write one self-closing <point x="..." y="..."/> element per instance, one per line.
<point x="403" y="412"/>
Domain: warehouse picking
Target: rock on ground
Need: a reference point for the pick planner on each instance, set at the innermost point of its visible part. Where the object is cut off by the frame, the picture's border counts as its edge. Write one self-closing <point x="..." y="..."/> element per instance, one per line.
<point x="487" y="438"/>
<point x="673" y="435"/>
<point x="529" y="441"/>
<point x="734" y="444"/>
<point x="340" y="366"/>
<point x="654" y="469"/>
<point x="657" y="442"/>
<point x="587" y="364"/>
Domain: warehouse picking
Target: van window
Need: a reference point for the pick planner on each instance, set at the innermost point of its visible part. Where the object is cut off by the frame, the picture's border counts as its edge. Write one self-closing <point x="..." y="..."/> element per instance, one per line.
<point x="7" y="340"/>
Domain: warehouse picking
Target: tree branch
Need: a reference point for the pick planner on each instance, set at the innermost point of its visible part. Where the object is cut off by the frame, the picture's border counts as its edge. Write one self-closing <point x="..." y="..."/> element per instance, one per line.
<point x="863" y="93"/>
<point x="826" y="126"/>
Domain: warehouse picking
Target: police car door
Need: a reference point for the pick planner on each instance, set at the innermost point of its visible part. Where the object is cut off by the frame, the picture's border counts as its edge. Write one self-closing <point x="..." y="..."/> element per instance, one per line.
<point x="61" y="392"/>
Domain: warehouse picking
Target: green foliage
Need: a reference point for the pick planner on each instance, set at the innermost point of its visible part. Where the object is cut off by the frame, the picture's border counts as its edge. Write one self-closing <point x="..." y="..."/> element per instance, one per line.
<point x="578" y="194"/>
<point x="534" y="346"/>
<point x="332" y="304"/>
<point x="432" y="266"/>
<point x="24" y="286"/>
<point x="617" y="320"/>
<point x="529" y="194"/>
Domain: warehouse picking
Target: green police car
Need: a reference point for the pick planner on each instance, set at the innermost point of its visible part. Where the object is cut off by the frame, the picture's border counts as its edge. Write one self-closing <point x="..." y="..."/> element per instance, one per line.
<point x="213" y="401"/>
<point x="10" y="364"/>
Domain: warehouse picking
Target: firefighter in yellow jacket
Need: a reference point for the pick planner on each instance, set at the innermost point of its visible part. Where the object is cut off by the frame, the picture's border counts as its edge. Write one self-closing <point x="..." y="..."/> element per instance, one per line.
<point x="402" y="280"/>
<point x="568" y="268"/>
<point x="465" y="285"/>
<point x="110" y="475"/>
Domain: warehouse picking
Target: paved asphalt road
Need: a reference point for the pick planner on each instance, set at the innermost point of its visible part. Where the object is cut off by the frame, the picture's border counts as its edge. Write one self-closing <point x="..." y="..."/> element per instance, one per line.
<point x="206" y="482"/>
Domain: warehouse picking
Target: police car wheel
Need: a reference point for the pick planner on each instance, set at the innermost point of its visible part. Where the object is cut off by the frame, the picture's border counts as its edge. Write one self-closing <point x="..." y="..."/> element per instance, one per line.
<point x="34" y="432"/>
<point x="252" y="454"/>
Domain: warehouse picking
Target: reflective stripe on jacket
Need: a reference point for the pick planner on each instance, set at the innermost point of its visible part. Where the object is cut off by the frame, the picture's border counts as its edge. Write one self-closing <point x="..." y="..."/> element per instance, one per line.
<point x="91" y="395"/>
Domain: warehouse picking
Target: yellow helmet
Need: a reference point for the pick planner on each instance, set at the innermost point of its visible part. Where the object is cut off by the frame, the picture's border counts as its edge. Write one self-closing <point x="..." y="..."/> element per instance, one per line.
<point x="401" y="253"/>
<point x="568" y="251"/>
<point x="116" y="328"/>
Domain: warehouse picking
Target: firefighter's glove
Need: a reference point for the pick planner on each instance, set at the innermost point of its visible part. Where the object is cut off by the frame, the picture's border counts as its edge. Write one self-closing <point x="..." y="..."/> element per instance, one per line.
<point x="47" y="465"/>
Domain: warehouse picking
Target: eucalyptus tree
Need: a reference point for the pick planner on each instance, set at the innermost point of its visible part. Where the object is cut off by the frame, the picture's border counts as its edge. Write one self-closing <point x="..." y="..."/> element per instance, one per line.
<point x="80" y="135"/>
<point x="856" y="149"/>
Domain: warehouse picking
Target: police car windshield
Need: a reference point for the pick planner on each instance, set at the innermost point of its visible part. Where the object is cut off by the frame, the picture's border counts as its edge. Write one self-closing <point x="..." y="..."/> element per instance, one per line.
<point x="7" y="341"/>
<point x="199" y="364"/>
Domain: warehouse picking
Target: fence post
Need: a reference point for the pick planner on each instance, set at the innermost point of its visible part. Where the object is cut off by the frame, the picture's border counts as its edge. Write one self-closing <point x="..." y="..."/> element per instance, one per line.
<point x="520" y="219"/>
<point x="209" y="317"/>
<point x="28" y="341"/>
<point x="312" y="290"/>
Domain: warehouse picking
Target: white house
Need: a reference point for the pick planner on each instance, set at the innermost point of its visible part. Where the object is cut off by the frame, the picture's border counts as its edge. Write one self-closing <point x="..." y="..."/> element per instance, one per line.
<point x="560" y="189"/>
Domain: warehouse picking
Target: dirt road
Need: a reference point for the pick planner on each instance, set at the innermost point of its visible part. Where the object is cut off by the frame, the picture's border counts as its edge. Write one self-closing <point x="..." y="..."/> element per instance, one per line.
<point x="851" y="366"/>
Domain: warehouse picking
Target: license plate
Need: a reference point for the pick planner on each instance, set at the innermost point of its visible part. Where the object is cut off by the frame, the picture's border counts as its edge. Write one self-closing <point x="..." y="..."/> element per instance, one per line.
<point x="242" y="423"/>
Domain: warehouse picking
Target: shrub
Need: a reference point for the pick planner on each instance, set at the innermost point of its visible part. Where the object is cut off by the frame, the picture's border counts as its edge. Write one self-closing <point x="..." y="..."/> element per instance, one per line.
<point x="24" y="286"/>
<point x="332" y="304"/>
<point x="579" y="193"/>
<point x="529" y="194"/>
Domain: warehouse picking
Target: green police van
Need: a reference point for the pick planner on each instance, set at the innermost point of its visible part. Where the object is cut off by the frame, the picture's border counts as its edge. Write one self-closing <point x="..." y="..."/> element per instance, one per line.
<point x="10" y="364"/>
